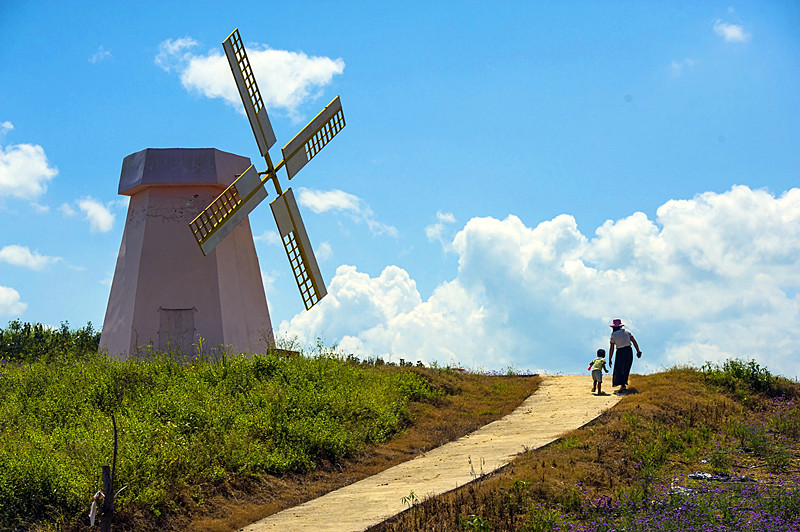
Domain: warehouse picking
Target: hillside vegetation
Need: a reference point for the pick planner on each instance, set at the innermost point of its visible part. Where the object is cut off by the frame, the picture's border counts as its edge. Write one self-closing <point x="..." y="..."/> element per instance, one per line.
<point x="709" y="449"/>
<point x="194" y="435"/>
<point x="214" y="445"/>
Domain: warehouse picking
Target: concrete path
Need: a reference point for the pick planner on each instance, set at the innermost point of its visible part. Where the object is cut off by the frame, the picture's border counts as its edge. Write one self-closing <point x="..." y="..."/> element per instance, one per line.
<point x="561" y="404"/>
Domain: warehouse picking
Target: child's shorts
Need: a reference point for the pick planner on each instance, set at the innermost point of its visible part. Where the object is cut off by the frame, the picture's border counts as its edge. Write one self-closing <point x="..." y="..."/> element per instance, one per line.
<point x="597" y="375"/>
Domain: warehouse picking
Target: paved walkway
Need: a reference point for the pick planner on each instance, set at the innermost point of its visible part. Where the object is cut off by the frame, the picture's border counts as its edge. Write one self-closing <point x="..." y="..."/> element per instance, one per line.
<point x="561" y="404"/>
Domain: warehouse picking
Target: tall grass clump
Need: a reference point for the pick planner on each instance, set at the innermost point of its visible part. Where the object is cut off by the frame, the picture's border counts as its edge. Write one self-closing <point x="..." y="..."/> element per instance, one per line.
<point x="746" y="378"/>
<point x="181" y="425"/>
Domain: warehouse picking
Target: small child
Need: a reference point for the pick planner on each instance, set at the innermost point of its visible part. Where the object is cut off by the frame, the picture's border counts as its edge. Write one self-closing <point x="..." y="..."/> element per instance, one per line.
<point x="597" y="366"/>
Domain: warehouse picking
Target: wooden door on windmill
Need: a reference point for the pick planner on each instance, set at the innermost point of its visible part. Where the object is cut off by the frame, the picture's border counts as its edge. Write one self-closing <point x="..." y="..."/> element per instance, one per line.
<point x="176" y="332"/>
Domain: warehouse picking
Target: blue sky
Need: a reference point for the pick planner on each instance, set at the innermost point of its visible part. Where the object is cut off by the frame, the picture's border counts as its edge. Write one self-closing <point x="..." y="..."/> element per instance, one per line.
<point x="512" y="175"/>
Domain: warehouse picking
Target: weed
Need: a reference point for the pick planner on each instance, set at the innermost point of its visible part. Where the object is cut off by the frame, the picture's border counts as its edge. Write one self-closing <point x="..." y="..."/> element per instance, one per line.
<point x="474" y="522"/>
<point x="568" y="443"/>
<point x="720" y="459"/>
<point x="410" y="499"/>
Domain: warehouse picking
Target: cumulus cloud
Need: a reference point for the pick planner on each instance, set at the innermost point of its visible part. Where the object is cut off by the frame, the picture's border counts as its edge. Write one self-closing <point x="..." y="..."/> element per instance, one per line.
<point x="730" y="32"/>
<point x="320" y="201"/>
<point x="286" y="79"/>
<point x="710" y="278"/>
<point x="10" y="304"/>
<point x="24" y="169"/>
<point x="22" y="256"/>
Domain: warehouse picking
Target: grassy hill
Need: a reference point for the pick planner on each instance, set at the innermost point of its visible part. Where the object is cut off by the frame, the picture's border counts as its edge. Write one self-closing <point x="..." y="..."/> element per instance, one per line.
<point x="711" y="449"/>
<point x="216" y="445"/>
<point x="205" y="444"/>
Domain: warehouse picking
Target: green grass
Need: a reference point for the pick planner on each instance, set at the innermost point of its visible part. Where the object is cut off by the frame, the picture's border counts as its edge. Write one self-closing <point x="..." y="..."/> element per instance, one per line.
<point x="180" y="425"/>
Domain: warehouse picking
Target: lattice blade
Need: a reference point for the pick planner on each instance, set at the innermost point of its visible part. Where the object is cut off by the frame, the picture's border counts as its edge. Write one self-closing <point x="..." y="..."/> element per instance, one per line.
<point x="306" y="144"/>
<point x="298" y="249"/>
<point x="217" y="221"/>
<point x="248" y="90"/>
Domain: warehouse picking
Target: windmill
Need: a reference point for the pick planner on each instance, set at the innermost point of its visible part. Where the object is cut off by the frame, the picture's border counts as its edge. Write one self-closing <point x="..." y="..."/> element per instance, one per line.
<point x="231" y="207"/>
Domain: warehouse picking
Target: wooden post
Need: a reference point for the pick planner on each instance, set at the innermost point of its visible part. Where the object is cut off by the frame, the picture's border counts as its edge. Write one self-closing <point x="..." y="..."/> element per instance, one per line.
<point x="108" y="487"/>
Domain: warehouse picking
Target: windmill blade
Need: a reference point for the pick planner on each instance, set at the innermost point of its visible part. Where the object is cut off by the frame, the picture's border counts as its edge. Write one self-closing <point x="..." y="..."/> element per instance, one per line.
<point x="306" y="144"/>
<point x="228" y="210"/>
<point x="248" y="90"/>
<point x="298" y="249"/>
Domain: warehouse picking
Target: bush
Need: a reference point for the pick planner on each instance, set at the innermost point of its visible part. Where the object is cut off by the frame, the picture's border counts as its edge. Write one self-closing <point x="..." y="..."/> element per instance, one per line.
<point x="25" y="342"/>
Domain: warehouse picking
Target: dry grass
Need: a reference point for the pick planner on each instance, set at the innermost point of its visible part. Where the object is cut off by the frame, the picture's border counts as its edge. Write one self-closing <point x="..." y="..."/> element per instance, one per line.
<point x="471" y="401"/>
<point x="662" y="425"/>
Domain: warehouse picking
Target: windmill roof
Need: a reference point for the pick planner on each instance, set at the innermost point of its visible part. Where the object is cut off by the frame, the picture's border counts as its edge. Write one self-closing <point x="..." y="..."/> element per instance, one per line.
<point x="179" y="167"/>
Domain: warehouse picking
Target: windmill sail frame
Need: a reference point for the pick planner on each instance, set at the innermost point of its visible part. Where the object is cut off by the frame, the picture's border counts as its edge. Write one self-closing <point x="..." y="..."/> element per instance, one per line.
<point x="312" y="138"/>
<point x="231" y="207"/>
<point x="248" y="91"/>
<point x="298" y="248"/>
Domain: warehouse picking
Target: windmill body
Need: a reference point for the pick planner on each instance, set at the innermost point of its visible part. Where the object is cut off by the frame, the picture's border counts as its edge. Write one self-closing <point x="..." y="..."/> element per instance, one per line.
<point x="164" y="294"/>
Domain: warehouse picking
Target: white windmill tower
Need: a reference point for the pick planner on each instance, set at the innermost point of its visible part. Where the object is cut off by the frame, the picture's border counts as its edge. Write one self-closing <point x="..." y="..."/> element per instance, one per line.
<point x="232" y="206"/>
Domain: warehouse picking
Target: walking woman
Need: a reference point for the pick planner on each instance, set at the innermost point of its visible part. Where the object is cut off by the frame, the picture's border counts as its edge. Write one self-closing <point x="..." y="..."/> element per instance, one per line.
<point x="621" y="340"/>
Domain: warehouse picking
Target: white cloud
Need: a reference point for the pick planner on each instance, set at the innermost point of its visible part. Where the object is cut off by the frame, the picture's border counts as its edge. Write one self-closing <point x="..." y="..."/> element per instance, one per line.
<point x="285" y="79"/>
<point x="730" y="32"/>
<point x="323" y="251"/>
<point x="10" y="305"/>
<point x="268" y="280"/>
<point x="434" y="231"/>
<point x="22" y="256"/>
<point x="172" y="54"/>
<point x="24" y="169"/>
<point x="321" y="201"/>
<point x="100" y="217"/>
<point x="712" y="277"/>
<point x="100" y="55"/>
<point x="67" y="210"/>
<point x="677" y="68"/>
<point x="270" y="237"/>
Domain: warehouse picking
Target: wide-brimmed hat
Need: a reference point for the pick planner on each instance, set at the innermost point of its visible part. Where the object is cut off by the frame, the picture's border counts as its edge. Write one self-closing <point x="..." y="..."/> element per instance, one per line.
<point x="617" y="323"/>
